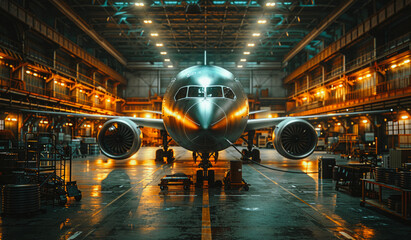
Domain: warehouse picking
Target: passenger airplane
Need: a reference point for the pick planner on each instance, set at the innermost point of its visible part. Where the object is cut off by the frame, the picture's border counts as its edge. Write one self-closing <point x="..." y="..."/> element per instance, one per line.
<point x="205" y="110"/>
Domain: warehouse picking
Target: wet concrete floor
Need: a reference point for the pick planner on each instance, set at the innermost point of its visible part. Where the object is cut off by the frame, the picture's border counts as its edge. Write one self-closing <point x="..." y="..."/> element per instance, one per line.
<point x="122" y="200"/>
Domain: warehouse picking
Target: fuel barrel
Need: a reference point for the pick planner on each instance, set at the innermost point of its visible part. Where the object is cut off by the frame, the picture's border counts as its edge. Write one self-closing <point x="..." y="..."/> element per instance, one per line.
<point x="21" y="200"/>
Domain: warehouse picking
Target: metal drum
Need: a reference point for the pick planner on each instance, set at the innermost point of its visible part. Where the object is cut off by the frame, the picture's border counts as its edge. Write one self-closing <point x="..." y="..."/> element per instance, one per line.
<point x="21" y="200"/>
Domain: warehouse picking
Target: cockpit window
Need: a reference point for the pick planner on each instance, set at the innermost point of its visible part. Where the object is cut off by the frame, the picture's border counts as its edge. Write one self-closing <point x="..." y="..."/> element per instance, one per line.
<point x="199" y="92"/>
<point x="196" y="92"/>
<point x="228" y="93"/>
<point x="182" y="93"/>
<point x="214" y="92"/>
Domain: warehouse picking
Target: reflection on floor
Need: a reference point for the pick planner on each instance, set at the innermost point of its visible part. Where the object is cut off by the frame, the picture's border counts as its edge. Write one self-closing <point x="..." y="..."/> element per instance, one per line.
<point x="122" y="200"/>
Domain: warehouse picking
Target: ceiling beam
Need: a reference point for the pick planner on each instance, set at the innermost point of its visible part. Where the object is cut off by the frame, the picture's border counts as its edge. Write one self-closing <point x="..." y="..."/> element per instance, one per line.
<point x="315" y="32"/>
<point x="68" y="12"/>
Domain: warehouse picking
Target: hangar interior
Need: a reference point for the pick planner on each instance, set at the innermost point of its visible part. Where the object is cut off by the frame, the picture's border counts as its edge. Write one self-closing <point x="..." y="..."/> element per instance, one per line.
<point x="293" y="58"/>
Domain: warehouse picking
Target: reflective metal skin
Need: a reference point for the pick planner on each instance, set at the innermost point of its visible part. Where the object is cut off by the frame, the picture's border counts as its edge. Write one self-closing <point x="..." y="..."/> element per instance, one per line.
<point x="204" y="123"/>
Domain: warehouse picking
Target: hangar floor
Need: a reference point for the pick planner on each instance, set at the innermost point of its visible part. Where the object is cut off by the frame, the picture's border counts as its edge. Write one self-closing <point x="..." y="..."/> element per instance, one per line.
<point x="121" y="200"/>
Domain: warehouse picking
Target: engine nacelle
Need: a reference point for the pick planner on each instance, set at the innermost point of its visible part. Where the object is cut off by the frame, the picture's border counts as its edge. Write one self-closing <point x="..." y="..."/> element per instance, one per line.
<point x="119" y="138"/>
<point x="295" y="138"/>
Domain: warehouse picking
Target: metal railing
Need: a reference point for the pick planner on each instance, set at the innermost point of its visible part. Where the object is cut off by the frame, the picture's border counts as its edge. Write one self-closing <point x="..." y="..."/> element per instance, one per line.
<point x="394" y="84"/>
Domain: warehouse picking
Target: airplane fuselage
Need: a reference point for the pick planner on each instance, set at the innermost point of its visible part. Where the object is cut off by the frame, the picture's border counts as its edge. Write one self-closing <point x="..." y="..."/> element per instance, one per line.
<point x="203" y="107"/>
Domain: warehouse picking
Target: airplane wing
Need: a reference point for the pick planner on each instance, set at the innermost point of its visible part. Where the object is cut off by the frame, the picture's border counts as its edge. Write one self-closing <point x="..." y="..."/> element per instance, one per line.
<point x="145" y="122"/>
<point x="254" y="124"/>
<point x="255" y="112"/>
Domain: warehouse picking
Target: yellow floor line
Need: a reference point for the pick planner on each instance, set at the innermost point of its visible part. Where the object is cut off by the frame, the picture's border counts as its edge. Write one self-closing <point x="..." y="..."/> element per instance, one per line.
<point x="206" y="221"/>
<point x="341" y="225"/>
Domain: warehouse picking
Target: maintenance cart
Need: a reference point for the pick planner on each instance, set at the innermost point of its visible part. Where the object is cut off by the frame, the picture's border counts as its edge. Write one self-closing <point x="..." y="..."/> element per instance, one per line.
<point x="176" y="179"/>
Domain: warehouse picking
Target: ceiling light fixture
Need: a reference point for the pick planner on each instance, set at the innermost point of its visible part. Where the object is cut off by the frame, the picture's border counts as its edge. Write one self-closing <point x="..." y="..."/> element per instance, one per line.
<point x="163" y="53"/>
<point x="262" y="21"/>
<point x="154" y="34"/>
<point x="243" y="60"/>
<point x="246" y="53"/>
<point x="159" y="44"/>
<point x="240" y="66"/>
<point x="256" y="34"/>
<point x="148" y="21"/>
<point x="270" y="4"/>
<point x="251" y="45"/>
<point x="167" y="60"/>
<point x="139" y="4"/>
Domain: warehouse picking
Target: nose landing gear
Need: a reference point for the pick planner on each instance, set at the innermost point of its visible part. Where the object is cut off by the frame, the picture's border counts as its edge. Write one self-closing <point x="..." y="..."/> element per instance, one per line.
<point x="205" y="164"/>
<point x="165" y="152"/>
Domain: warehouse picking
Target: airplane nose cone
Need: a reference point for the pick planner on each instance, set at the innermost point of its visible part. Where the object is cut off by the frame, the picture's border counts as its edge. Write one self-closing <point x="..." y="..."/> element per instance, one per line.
<point x="211" y="123"/>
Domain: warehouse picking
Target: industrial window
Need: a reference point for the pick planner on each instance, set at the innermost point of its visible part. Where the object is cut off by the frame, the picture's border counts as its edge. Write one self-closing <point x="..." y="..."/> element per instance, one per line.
<point x="214" y="92"/>
<point x="399" y="127"/>
<point x="182" y="93"/>
<point x="196" y="92"/>
<point x="2" y="127"/>
<point x="228" y="93"/>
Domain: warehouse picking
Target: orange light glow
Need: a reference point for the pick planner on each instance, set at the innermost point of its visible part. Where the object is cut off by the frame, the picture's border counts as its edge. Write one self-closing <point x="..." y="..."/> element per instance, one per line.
<point x="241" y="112"/>
<point x="99" y="161"/>
<point x="185" y="121"/>
<point x="339" y="124"/>
<point x="368" y="75"/>
<point x="393" y="66"/>
<point x="132" y="162"/>
<point x="365" y="121"/>
<point x="404" y="117"/>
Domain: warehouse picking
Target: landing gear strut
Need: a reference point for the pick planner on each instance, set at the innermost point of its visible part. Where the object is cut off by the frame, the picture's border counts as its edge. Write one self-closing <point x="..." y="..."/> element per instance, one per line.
<point x="250" y="153"/>
<point x="165" y="152"/>
<point x="205" y="164"/>
<point x="196" y="155"/>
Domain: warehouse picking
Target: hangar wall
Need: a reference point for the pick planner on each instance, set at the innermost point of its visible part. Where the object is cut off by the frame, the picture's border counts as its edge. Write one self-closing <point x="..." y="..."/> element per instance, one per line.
<point x="263" y="83"/>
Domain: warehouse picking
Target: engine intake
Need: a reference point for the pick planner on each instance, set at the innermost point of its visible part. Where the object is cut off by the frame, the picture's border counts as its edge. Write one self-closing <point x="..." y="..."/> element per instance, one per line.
<point x="295" y="138"/>
<point x="119" y="138"/>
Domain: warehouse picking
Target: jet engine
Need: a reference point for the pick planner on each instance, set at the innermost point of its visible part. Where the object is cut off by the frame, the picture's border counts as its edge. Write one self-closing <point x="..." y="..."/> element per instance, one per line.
<point x="295" y="138"/>
<point x="119" y="138"/>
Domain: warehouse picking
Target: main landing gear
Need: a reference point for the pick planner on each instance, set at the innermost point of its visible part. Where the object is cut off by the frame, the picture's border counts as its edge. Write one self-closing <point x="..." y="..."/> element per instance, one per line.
<point x="165" y="152"/>
<point x="205" y="174"/>
<point x="250" y="153"/>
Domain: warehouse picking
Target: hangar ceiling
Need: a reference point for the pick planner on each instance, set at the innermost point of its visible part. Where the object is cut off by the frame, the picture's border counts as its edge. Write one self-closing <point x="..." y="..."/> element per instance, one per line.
<point x="141" y="30"/>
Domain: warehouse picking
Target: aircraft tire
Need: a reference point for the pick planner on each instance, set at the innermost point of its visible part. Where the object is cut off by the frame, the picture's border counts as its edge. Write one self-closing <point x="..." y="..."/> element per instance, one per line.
<point x="159" y="155"/>
<point x="211" y="178"/>
<point x="255" y="155"/>
<point x="170" y="155"/>
<point x="199" y="178"/>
